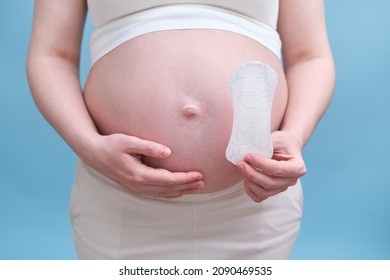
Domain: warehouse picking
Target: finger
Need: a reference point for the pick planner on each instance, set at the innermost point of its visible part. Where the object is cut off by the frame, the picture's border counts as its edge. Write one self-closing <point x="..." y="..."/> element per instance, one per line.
<point x="169" y="191"/>
<point x="178" y="194"/>
<point x="163" y="177"/>
<point x="160" y="191"/>
<point x="253" y="195"/>
<point x="268" y="182"/>
<point x="261" y="192"/>
<point x="135" y="145"/>
<point x="281" y="156"/>
<point x="258" y="193"/>
<point x="293" y="167"/>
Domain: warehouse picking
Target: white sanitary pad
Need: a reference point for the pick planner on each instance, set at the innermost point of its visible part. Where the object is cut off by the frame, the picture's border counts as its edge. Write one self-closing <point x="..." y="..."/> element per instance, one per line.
<point x="253" y="86"/>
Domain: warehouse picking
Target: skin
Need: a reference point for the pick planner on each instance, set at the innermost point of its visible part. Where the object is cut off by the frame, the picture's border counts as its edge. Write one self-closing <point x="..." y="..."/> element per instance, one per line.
<point x="307" y="57"/>
<point x="53" y="71"/>
<point x="120" y="101"/>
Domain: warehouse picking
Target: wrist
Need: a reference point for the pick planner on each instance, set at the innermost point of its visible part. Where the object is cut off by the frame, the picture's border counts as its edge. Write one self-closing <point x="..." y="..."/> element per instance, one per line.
<point x="86" y="145"/>
<point x="295" y="135"/>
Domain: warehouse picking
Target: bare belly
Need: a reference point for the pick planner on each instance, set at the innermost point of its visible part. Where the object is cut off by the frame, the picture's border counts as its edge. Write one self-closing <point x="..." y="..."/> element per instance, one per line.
<point x="172" y="87"/>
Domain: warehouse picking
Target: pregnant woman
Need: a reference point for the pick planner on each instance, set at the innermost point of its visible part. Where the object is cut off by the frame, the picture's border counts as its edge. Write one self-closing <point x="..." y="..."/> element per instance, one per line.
<point x="153" y="123"/>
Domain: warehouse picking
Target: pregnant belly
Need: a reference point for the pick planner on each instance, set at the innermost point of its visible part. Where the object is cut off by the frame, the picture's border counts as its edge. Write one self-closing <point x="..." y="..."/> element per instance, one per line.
<point x="172" y="87"/>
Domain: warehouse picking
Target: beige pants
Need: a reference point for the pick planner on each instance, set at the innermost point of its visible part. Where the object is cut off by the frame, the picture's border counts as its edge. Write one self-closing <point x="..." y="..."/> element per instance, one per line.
<point x="111" y="223"/>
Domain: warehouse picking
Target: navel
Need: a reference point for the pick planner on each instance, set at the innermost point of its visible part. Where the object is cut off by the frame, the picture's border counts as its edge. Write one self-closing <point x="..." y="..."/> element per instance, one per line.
<point x="191" y="110"/>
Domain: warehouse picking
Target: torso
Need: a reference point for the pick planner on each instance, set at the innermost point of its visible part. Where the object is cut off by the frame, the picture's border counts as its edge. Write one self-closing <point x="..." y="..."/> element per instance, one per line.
<point x="172" y="87"/>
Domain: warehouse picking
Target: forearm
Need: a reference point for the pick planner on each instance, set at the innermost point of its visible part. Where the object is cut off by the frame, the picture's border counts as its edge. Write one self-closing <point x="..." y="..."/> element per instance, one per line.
<point x="56" y="89"/>
<point x="310" y="87"/>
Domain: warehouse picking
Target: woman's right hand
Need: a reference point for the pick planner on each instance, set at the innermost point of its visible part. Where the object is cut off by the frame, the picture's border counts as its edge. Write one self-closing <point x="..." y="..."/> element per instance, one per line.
<point x="59" y="97"/>
<point x="118" y="157"/>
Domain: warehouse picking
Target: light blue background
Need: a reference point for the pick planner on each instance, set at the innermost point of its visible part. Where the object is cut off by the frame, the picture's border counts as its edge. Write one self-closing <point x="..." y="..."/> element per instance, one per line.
<point x="347" y="188"/>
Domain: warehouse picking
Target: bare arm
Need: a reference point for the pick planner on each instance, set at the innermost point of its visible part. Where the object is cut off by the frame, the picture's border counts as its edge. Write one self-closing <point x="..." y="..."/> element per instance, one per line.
<point x="308" y="65"/>
<point x="53" y="72"/>
<point x="53" y="69"/>
<point x="310" y="78"/>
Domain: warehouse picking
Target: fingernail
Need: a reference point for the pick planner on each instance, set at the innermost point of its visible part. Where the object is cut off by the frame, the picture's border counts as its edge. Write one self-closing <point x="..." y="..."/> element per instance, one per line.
<point x="241" y="166"/>
<point x="198" y="184"/>
<point x="165" y="151"/>
<point x="248" y="158"/>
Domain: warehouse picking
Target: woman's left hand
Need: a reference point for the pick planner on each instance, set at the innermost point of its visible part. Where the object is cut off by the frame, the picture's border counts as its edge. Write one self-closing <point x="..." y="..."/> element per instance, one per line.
<point x="264" y="177"/>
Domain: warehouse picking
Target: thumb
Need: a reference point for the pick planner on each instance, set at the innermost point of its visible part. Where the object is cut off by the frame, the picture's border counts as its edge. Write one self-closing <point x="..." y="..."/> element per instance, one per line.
<point x="135" y="145"/>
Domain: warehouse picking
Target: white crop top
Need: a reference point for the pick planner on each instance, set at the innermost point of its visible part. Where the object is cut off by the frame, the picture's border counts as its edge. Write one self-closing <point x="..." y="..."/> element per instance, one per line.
<point x="116" y="21"/>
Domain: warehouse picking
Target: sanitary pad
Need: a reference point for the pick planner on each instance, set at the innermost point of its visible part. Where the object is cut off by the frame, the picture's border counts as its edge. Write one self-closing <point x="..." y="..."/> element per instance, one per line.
<point x="253" y="86"/>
